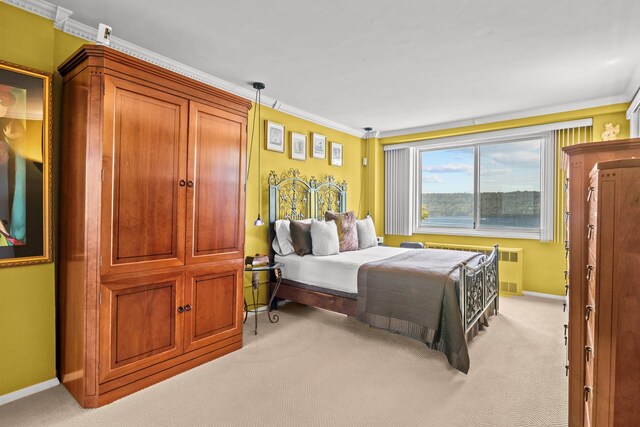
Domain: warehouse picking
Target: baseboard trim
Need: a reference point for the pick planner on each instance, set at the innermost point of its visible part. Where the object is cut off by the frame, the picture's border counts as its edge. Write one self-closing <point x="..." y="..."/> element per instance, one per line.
<point x="27" y="391"/>
<point x="541" y="295"/>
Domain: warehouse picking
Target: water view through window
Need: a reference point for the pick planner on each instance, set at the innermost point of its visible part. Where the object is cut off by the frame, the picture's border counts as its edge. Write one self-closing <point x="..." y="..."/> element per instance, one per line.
<point x="447" y="187"/>
<point x="508" y="180"/>
<point x="510" y="185"/>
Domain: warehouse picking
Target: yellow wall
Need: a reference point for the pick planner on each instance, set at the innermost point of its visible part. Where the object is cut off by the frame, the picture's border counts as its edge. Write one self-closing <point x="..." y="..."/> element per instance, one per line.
<point x="351" y="171"/>
<point x="543" y="262"/>
<point x="27" y="294"/>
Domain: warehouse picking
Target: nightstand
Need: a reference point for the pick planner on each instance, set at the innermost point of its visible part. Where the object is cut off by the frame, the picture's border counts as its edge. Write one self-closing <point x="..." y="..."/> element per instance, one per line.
<point x="255" y="291"/>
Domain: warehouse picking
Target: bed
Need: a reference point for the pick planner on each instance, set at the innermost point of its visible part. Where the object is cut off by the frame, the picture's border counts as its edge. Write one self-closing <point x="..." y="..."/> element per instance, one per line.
<point x="385" y="286"/>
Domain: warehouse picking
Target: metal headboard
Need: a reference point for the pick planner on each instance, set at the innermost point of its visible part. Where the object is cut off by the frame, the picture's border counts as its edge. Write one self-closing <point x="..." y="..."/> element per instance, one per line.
<point x="293" y="196"/>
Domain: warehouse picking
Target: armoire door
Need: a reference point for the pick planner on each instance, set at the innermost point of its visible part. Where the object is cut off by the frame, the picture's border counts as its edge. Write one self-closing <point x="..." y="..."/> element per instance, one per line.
<point x="144" y="178"/>
<point x="215" y="193"/>
<point x="141" y="323"/>
<point x="214" y="298"/>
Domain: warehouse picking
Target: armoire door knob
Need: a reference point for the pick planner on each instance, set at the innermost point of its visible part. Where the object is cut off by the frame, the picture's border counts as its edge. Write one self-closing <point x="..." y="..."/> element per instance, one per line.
<point x="187" y="307"/>
<point x="180" y="309"/>
<point x="183" y="183"/>
<point x="190" y="184"/>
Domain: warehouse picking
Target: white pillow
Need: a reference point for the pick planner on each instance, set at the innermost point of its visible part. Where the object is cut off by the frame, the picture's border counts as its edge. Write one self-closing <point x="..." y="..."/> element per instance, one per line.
<point x="366" y="233"/>
<point x="324" y="238"/>
<point x="284" y="245"/>
<point x="276" y="245"/>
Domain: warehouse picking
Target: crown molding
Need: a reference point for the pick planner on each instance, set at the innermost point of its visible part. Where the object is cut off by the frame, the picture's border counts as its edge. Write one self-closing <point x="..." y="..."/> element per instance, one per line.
<point x="597" y="102"/>
<point x="62" y="21"/>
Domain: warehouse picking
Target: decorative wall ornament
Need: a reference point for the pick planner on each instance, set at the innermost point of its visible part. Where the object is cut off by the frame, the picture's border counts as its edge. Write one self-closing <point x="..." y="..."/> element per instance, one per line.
<point x="610" y="132"/>
<point x="25" y="165"/>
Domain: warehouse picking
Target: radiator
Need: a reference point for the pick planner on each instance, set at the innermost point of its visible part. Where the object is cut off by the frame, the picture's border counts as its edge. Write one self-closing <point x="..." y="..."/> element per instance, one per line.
<point x="509" y="265"/>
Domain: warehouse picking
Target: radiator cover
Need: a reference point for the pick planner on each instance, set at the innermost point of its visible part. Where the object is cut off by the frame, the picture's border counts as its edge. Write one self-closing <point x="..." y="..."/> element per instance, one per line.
<point x="509" y="265"/>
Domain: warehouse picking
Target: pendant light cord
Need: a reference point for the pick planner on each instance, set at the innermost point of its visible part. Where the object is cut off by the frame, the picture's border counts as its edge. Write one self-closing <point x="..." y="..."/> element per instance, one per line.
<point x="259" y="95"/>
<point x="253" y="128"/>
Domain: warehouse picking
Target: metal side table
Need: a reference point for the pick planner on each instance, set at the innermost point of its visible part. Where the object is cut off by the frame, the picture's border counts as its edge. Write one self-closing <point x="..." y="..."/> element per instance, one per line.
<point x="255" y="291"/>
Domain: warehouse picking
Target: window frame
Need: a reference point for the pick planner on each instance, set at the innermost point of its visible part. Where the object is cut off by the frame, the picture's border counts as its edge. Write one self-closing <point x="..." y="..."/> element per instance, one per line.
<point x="546" y="162"/>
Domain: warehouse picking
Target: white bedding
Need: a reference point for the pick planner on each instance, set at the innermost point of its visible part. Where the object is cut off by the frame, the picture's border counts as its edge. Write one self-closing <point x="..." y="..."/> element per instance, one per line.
<point x="337" y="272"/>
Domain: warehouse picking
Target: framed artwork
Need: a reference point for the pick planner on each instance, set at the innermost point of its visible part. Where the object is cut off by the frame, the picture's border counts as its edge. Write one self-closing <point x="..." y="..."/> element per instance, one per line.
<point x="298" y="146"/>
<point x="25" y="166"/>
<point x="336" y="154"/>
<point x="275" y="137"/>
<point x="319" y="146"/>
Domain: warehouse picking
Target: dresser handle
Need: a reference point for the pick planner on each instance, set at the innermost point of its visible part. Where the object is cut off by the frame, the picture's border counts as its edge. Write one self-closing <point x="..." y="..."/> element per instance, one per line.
<point x="587" y="315"/>
<point x="566" y="274"/>
<point x="590" y="228"/>
<point x="587" y="391"/>
<point x="566" y="328"/>
<point x="566" y="370"/>
<point x="566" y="216"/>
<point x="566" y="245"/>
<point x="566" y="290"/>
<point x="564" y="306"/>
<point x="566" y="184"/>
<point x="590" y="193"/>
<point x="589" y="270"/>
<point x="587" y="352"/>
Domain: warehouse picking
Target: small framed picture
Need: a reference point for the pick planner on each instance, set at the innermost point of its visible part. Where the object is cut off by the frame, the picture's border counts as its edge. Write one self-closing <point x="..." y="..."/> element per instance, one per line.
<point x="319" y="146"/>
<point x="336" y="154"/>
<point x="298" y="146"/>
<point x="275" y="137"/>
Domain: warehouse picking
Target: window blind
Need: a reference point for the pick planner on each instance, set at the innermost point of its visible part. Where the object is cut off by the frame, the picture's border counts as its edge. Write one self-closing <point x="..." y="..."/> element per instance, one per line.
<point x="565" y="138"/>
<point x="398" y="191"/>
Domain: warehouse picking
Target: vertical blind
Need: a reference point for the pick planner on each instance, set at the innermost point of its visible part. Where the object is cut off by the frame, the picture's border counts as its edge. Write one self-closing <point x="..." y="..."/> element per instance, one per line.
<point x="398" y="191"/>
<point x="565" y="138"/>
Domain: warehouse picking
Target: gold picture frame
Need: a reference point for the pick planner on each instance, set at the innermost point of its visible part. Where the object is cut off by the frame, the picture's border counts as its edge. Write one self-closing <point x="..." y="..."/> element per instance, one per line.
<point x="275" y="134"/>
<point x="26" y="202"/>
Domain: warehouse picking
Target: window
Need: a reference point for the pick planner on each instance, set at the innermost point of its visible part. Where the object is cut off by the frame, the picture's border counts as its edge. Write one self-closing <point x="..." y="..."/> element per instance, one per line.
<point x="488" y="188"/>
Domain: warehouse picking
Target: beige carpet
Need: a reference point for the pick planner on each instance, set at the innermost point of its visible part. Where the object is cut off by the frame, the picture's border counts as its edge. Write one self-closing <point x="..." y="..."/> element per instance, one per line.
<point x="316" y="368"/>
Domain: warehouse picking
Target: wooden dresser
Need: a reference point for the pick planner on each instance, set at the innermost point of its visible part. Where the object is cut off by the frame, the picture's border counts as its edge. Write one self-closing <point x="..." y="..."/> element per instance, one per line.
<point x="151" y="224"/>
<point x="604" y="286"/>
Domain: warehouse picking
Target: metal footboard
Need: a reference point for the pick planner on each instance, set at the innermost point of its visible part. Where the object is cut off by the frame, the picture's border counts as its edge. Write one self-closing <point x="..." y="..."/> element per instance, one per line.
<point x="479" y="289"/>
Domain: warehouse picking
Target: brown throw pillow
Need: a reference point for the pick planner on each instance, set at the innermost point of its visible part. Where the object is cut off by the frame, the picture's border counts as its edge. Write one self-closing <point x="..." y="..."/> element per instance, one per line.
<point x="347" y="231"/>
<point x="301" y="237"/>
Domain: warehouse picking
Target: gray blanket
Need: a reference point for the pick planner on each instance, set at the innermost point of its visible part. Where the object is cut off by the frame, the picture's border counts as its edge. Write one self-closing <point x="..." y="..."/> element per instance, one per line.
<point x="415" y="294"/>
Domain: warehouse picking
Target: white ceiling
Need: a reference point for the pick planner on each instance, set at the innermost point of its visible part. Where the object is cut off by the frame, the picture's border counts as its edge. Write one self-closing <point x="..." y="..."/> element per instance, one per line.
<point x="395" y="64"/>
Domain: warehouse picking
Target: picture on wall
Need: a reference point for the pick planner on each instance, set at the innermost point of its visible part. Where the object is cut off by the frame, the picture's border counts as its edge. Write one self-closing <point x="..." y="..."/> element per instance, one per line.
<point x="336" y="154"/>
<point x="25" y="168"/>
<point x="298" y="146"/>
<point x="319" y="146"/>
<point x="275" y="137"/>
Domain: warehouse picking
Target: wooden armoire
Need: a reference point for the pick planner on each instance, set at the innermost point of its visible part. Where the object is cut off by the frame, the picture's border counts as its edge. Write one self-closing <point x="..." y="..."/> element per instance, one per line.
<point x="152" y="201"/>
<point x="603" y="210"/>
